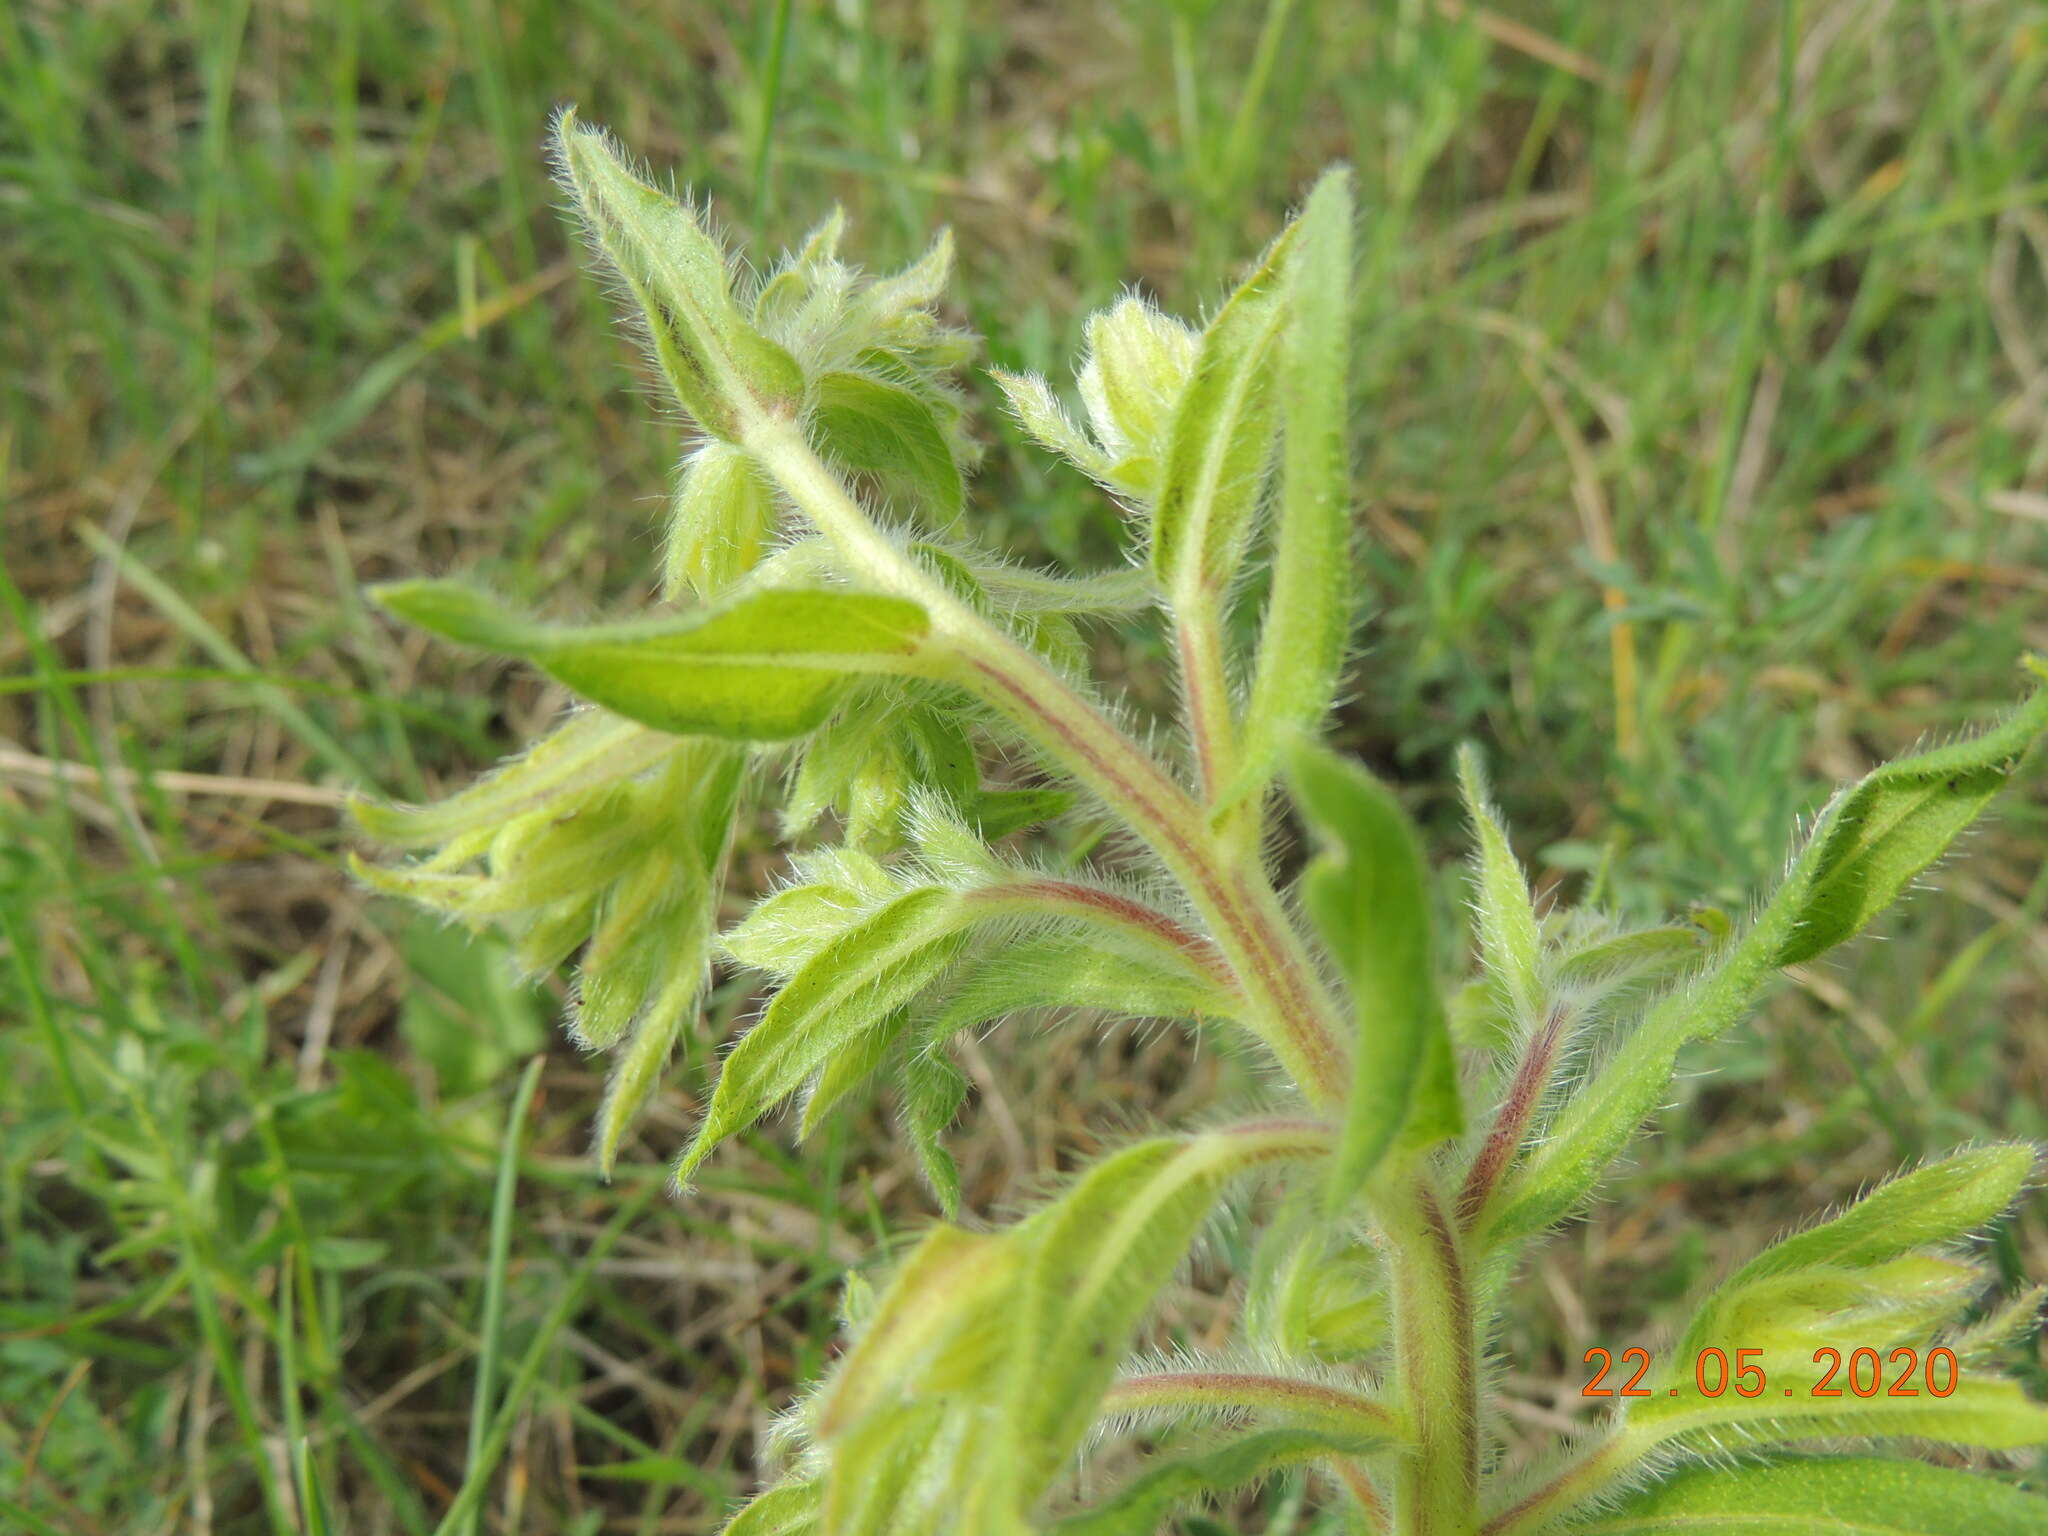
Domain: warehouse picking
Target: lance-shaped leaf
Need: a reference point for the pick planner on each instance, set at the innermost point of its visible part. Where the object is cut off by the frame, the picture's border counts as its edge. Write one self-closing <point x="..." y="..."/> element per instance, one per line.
<point x="587" y="751"/>
<point x="765" y="666"/>
<point x="1937" y="1204"/>
<point x="701" y="794"/>
<point x="933" y="1090"/>
<point x="1368" y="893"/>
<point x="1039" y="412"/>
<point x="1811" y="1495"/>
<point x="1509" y="940"/>
<point x="1138" y="1508"/>
<point x="891" y="434"/>
<point x="788" y="1510"/>
<point x="720" y="522"/>
<point x="937" y="1329"/>
<point x="1100" y="1255"/>
<point x="1308" y="615"/>
<point x="1641" y="955"/>
<point x="1896" y="822"/>
<point x="1592" y="1130"/>
<point x="1221" y="439"/>
<point x="850" y="985"/>
<point x="1931" y="1207"/>
<point x="719" y="366"/>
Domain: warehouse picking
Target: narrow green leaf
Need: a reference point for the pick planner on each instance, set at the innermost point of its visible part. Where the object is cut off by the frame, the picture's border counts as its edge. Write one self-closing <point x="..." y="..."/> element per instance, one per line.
<point x="1898" y="820"/>
<point x="1825" y="1496"/>
<point x="785" y="929"/>
<point x="1046" y="422"/>
<point x="719" y="366"/>
<point x="1937" y="1204"/>
<point x="851" y="1066"/>
<point x="1857" y="858"/>
<point x="1100" y="1255"/>
<point x="997" y="813"/>
<point x="930" y="1331"/>
<point x="1138" y="1508"/>
<point x="1221" y="439"/>
<point x="587" y="750"/>
<point x="859" y="978"/>
<point x="1308" y="616"/>
<point x="933" y="1091"/>
<point x="720" y="523"/>
<point x="1368" y="893"/>
<point x="1636" y="956"/>
<point x="788" y="1510"/>
<point x="1508" y="936"/>
<point x="765" y="666"/>
<point x="892" y="434"/>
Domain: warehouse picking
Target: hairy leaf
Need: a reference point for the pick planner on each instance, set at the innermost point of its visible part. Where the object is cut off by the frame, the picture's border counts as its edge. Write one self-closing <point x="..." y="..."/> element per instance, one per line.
<point x="1896" y="822"/>
<point x="1594" y="1128"/>
<point x="850" y="985"/>
<point x="1138" y="1508"/>
<point x="1368" y="893"/>
<point x="1222" y="435"/>
<point x="1936" y="1204"/>
<point x="1308" y="616"/>
<point x="933" y="1091"/>
<point x="763" y="667"/>
<point x="1640" y="955"/>
<point x="718" y="365"/>
<point x="720" y="522"/>
<point x="1099" y="1256"/>
<point x="891" y="433"/>
<point x="1509" y="939"/>
<point x="1043" y="418"/>
<point x="589" y="749"/>
<point x="788" y="1510"/>
<point x="1825" y="1496"/>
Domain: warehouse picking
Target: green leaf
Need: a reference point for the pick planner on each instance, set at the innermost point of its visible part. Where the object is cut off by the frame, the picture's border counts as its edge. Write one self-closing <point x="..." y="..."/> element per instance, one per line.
<point x="719" y="366"/>
<point x="1509" y="938"/>
<point x="933" y="1091"/>
<point x="850" y="1067"/>
<point x="1642" y="954"/>
<point x="1221" y="439"/>
<point x="1137" y="367"/>
<point x="1898" y="820"/>
<point x="1308" y="615"/>
<point x="934" y="1329"/>
<point x="1368" y="894"/>
<point x="588" y="750"/>
<point x="1046" y="422"/>
<point x="765" y="666"/>
<point x="720" y="523"/>
<point x="1825" y="1496"/>
<point x="1936" y="1204"/>
<point x="1138" y="1508"/>
<point x="888" y="432"/>
<point x="1081" y="970"/>
<point x="1100" y="1255"/>
<point x="1863" y="840"/>
<point x="790" y="1510"/>
<point x="674" y="928"/>
<point x="853" y="983"/>
<point x="785" y="929"/>
<point x="996" y="813"/>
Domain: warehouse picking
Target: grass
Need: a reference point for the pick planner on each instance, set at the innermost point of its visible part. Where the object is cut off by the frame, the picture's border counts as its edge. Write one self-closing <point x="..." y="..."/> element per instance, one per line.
<point x="1704" y="460"/>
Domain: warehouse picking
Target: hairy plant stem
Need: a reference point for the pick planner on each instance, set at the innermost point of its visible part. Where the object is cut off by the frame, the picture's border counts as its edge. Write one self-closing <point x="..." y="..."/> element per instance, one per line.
<point x="1436" y="1360"/>
<point x="1292" y="1010"/>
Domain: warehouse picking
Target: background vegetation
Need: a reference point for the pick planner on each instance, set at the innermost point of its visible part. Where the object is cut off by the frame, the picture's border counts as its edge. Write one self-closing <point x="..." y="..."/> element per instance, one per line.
<point x="1703" y="450"/>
